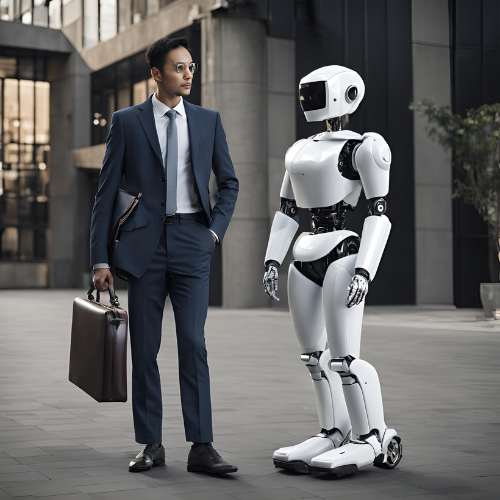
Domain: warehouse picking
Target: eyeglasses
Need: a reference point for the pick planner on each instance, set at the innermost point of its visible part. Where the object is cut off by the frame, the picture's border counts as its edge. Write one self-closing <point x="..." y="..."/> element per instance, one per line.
<point x="181" y="67"/>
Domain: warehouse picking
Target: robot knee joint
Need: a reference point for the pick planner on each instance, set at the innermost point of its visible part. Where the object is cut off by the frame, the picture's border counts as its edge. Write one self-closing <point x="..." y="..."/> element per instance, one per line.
<point x="341" y="365"/>
<point x="311" y="359"/>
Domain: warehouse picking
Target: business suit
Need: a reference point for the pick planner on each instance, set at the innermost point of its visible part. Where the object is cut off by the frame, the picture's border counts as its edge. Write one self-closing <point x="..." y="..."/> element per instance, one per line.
<point x="161" y="259"/>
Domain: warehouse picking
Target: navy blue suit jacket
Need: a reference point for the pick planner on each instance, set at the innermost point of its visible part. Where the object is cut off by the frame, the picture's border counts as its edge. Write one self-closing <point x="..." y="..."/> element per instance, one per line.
<point x="132" y="148"/>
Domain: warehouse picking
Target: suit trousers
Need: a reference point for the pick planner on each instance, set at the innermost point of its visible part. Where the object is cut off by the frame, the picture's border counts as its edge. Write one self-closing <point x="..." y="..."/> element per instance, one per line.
<point x="180" y="268"/>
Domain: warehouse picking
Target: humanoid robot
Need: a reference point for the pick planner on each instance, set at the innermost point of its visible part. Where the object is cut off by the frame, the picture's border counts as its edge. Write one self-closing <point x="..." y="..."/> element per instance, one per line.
<point x="328" y="278"/>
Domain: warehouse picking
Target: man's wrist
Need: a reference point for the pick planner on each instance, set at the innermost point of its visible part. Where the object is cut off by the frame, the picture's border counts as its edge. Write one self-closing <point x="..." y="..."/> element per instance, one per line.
<point x="217" y="242"/>
<point x="100" y="265"/>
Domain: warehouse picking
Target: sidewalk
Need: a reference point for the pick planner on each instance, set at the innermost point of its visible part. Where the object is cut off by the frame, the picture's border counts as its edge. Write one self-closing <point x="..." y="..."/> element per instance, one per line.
<point x="439" y="369"/>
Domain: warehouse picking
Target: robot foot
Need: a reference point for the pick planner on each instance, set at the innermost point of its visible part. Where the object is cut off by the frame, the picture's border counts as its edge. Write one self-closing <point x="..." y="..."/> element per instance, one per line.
<point x="355" y="454"/>
<point x="392" y="457"/>
<point x="298" y="457"/>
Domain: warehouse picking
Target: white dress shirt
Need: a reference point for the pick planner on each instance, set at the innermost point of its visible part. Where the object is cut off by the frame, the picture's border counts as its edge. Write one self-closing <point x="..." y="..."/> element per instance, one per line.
<point x="187" y="199"/>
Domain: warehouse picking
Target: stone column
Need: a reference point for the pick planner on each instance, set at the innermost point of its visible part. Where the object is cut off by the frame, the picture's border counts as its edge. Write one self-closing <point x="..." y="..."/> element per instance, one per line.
<point x="70" y="119"/>
<point x="234" y="82"/>
<point x="433" y="173"/>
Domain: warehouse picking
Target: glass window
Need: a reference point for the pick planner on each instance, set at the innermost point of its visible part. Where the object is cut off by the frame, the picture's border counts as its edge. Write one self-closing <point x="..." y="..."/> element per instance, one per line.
<point x="107" y="19"/>
<point x="8" y="67"/>
<point x="24" y="160"/>
<point x="9" y="242"/>
<point x="27" y="125"/>
<point x="11" y="111"/>
<point x="140" y="90"/>
<point x="55" y="14"/>
<point x="138" y="10"/>
<point x="124" y="14"/>
<point x="153" y="7"/>
<point x="40" y="13"/>
<point x="42" y="112"/>
<point x="90" y="23"/>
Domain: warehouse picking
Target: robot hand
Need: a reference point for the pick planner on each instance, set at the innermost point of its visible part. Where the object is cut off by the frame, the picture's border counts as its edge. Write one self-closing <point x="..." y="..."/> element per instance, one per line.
<point x="357" y="290"/>
<point x="270" y="280"/>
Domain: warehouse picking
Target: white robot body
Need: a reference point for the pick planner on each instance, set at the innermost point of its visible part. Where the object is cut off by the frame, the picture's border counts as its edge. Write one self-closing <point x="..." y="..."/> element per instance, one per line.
<point x="326" y="173"/>
<point x="310" y="165"/>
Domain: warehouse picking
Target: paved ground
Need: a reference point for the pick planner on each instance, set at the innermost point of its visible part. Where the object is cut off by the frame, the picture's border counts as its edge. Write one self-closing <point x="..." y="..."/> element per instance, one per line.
<point x="439" y="371"/>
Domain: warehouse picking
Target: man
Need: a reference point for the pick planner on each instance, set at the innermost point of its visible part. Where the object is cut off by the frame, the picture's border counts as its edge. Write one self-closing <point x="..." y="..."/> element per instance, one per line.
<point x="166" y="147"/>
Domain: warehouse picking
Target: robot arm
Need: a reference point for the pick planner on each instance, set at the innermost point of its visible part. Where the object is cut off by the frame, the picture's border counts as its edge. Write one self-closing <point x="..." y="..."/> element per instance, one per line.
<point x="283" y="229"/>
<point x="372" y="159"/>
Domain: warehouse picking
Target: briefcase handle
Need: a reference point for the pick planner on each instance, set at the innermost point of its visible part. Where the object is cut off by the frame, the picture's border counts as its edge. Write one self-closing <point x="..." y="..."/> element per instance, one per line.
<point x="113" y="298"/>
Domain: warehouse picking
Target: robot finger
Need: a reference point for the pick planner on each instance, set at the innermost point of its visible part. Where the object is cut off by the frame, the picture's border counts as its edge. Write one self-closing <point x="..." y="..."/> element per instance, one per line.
<point x="353" y="287"/>
<point x="273" y="295"/>
<point x="359" y="296"/>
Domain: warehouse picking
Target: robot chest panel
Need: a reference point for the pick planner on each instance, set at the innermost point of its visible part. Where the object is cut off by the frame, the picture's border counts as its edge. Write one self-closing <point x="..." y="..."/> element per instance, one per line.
<point x="314" y="173"/>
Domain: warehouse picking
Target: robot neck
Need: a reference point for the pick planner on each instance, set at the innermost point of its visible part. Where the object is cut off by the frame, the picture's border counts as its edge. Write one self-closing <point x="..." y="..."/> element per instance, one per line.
<point x="335" y="124"/>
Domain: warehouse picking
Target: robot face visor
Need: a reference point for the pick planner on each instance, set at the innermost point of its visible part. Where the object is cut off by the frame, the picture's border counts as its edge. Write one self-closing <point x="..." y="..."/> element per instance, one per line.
<point x="312" y="96"/>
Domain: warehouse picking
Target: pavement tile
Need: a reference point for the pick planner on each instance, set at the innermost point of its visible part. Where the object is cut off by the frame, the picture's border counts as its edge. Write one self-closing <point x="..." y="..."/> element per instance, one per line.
<point x="57" y="443"/>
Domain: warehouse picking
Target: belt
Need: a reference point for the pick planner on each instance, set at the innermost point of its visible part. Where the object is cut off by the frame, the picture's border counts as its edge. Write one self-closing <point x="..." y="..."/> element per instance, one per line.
<point x="178" y="218"/>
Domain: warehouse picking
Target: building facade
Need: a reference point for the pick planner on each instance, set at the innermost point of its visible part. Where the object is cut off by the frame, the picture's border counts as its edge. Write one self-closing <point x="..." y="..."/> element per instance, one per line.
<point x="67" y="65"/>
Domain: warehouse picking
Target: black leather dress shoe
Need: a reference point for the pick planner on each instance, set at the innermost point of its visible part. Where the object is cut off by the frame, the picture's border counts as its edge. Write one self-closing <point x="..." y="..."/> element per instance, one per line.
<point x="204" y="458"/>
<point x="152" y="455"/>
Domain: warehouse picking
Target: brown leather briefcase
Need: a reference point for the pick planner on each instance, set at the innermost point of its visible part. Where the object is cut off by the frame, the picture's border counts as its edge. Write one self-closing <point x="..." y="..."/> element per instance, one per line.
<point x="98" y="353"/>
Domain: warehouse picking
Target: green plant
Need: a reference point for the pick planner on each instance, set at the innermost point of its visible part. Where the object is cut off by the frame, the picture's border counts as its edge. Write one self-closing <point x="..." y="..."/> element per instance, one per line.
<point x="475" y="142"/>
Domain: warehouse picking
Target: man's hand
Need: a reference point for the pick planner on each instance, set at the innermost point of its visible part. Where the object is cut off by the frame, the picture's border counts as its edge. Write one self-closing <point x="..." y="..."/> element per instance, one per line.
<point x="357" y="290"/>
<point x="270" y="281"/>
<point x="101" y="276"/>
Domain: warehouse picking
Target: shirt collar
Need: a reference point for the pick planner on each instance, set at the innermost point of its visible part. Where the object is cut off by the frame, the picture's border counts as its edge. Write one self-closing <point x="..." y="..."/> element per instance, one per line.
<point x="161" y="108"/>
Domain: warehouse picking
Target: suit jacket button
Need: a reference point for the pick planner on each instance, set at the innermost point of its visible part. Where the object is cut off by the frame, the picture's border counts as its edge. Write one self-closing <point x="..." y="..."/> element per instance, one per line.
<point x="162" y="179"/>
<point x="162" y="204"/>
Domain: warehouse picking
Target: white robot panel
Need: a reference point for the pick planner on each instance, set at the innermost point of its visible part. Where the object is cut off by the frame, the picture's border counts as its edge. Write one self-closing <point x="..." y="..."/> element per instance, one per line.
<point x="317" y="169"/>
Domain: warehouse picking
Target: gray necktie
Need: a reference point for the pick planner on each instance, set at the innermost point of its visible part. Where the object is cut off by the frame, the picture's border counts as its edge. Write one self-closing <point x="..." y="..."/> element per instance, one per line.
<point x="171" y="159"/>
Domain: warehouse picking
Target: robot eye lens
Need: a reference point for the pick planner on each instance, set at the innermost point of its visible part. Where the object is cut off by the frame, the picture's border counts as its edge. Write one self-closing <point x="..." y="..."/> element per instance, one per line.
<point x="313" y="96"/>
<point x="352" y="93"/>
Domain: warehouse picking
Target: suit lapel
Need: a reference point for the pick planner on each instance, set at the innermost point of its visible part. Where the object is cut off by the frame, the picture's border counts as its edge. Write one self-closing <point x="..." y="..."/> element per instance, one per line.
<point x="147" y="119"/>
<point x="194" y="127"/>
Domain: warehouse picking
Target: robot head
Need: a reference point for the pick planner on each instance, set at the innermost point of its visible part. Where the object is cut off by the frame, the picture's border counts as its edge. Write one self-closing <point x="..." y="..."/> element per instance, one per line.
<point x="330" y="92"/>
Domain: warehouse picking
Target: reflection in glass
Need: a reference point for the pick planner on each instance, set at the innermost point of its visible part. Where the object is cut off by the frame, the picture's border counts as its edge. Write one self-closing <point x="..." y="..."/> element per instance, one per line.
<point x="24" y="172"/>
<point x="11" y="154"/>
<point x="139" y="92"/>
<point x="8" y="66"/>
<point x="107" y="19"/>
<point x="90" y="26"/>
<point x="40" y="13"/>
<point x="124" y="15"/>
<point x="138" y="11"/>
<point x="42" y="112"/>
<point x="9" y="242"/>
<point x="27" y="112"/>
<point x="11" y="111"/>
<point x="26" y="244"/>
<point x="25" y="156"/>
<point x="55" y="14"/>
<point x="153" y="7"/>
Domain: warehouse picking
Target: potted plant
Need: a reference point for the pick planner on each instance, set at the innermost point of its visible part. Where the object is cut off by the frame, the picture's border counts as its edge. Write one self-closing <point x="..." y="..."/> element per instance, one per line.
<point x="474" y="140"/>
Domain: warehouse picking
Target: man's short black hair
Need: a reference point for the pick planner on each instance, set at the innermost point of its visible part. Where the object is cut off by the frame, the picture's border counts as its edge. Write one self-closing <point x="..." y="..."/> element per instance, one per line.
<point x="157" y="53"/>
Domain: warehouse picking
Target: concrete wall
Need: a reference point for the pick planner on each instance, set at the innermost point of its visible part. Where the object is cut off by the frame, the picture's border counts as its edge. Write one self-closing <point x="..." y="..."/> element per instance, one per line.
<point x="70" y="115"/>
<point x="433" y="174"/>
<point x="281" y="100"/>
<point x="235" y="83"/>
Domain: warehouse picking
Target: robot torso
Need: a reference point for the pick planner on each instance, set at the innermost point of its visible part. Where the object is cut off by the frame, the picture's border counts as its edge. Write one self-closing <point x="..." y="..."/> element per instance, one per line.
<point x="320" y="169"/>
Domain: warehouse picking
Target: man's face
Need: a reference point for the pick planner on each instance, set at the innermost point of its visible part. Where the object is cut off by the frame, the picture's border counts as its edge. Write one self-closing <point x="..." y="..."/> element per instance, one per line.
<point x="169" y="79"/>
